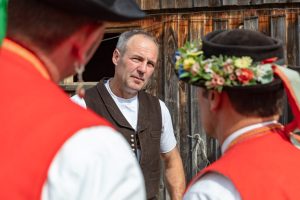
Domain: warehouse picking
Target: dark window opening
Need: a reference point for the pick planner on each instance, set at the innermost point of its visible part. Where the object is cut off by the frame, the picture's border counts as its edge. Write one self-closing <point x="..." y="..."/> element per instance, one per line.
<point x="101" y="64"/>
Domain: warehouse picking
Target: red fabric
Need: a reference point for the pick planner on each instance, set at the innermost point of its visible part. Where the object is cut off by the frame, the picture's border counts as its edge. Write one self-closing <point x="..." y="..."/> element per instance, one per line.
<point x="265" y="167"/>
<point x="294" y="105"/>
<point x="36" y="118"/>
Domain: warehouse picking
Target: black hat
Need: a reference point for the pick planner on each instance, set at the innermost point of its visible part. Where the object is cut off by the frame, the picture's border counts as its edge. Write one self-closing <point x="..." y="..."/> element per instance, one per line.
<point x="237" y="59"/>
<point x="242" y="42"/>
<point x="106" y="10"/>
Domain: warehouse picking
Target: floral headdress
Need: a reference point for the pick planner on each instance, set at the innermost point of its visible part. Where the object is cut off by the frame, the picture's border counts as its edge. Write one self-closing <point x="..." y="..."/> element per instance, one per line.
<point x="220" y="71"/>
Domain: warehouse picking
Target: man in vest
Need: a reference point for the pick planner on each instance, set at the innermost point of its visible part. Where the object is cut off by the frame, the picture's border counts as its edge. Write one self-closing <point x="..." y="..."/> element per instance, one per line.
<point x="51" y="148"/>
<point x="143" y="120"/>
<point x="241" y="97"/>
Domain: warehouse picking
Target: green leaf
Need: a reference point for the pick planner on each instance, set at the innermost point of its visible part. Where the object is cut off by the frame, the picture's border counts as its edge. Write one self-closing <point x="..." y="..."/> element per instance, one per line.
<point x="3" y="16"/>
<point x="195" y="79"/>
<point x="184" y="75"/>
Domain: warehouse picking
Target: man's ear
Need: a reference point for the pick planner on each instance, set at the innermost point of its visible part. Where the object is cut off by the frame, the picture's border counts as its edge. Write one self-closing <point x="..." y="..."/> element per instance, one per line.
<point x="215" y="99"/>
<point x="86" y="41"/>
<point x="116" y="56"/>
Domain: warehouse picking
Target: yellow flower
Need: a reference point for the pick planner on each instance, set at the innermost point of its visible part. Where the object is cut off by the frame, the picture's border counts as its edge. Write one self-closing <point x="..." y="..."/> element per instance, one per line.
<point x="243" y="62"/>
<point x="187" y="63"/>
<point x="194" y="53"/>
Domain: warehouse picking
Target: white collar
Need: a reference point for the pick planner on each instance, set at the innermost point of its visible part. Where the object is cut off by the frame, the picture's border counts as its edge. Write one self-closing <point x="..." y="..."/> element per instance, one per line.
<point x="120" y="99"/>
<point x="241" y="131"/>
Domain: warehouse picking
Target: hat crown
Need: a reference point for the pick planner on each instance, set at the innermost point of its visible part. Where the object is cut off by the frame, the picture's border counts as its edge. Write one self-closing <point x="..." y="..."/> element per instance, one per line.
<point x="241" y="37"/>
<point x="106" y="10"/>
<point x="241" y="42"/>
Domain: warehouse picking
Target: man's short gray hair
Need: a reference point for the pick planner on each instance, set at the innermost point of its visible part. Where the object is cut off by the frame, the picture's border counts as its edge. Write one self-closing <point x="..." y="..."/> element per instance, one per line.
<point x="125" y="36"/>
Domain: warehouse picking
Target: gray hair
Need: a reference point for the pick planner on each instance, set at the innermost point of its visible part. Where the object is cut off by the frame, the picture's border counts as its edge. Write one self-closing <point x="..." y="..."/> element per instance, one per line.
<point x="125" y="36"/>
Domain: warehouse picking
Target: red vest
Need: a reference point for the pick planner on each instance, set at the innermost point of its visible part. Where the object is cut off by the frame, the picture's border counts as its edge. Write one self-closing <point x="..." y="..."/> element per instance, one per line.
<point x="263" y="167"/>
<point x="36" y="118"/>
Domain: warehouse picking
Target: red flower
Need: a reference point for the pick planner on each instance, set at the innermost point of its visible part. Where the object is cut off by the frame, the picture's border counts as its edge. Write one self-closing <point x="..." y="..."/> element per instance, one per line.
<point x="244" y="75"/>
<point x="269" y="60"/>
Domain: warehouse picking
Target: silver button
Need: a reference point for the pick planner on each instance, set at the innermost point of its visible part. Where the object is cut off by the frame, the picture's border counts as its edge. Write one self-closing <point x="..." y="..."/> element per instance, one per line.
<point x="132" y="136"/>
<point x="132" y="145"/>
<point x="132" y="140"/>
<point x="133" y="149"/>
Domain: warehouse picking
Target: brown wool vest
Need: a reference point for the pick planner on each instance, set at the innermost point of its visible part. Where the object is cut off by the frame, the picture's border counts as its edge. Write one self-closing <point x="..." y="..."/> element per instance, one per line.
<point x="149" y="128"/>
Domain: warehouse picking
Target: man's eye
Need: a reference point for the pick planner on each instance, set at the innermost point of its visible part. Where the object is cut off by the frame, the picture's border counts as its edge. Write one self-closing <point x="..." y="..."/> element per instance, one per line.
<point x="135" y="60"/>
<point x="150" y="65"/>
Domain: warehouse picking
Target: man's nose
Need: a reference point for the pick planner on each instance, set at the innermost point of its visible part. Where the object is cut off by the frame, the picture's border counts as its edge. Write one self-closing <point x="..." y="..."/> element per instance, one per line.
<point x="142" y="67"/>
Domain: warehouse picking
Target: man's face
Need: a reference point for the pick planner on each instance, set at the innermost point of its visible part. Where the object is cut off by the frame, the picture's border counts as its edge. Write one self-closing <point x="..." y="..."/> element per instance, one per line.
<point x="135" y="66"/>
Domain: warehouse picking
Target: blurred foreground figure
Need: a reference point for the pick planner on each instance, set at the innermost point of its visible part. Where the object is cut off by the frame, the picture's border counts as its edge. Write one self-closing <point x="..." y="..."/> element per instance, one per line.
<point x="52" y="148"/>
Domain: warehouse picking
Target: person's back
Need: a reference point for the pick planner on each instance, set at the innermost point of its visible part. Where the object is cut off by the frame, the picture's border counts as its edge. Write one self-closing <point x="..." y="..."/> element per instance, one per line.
<point x="52" y="148"/>
<point x="241" y="97"/>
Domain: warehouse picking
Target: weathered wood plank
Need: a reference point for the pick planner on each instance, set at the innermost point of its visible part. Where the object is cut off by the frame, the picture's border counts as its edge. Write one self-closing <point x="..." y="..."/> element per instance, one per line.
<point x="236" y="2"/>
<point x="264" y="21"/>
<point x="256" y="2"/>
<point x="220" y="24"/>
<point x="168" y="4"/>
<point x="278" y="30"/>
<point x="207" y="3"/>
<point x="197" y="137"/>
<point x="175" y="92"/>
<point x="276" y="1"/>
<point x="251" y="23"/>
<point x="184" y="4"/>
<point x="150" y="5"/>
<point x="176" y="4"/>
<point x="292" y="36"/>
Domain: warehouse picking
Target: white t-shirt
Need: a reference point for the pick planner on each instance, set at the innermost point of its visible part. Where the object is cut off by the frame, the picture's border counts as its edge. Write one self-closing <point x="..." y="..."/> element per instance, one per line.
<point x="88" y="166"/>
<point x="129" y="108"/>
<point x="214" y="186"/>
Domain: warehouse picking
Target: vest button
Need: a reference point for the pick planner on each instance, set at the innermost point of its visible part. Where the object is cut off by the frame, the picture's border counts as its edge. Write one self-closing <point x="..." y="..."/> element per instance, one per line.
<point x="132" y="140"/>
<point x="132" y="145"/>
<point x="132" y="136"/>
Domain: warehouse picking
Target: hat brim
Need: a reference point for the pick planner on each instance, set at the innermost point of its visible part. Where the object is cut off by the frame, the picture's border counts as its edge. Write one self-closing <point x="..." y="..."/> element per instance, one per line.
<point x="118" y="10"/>
<point x="276" y="84"/>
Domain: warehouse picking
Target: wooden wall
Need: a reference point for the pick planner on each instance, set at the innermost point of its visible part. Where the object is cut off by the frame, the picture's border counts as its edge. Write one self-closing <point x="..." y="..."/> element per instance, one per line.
<point x="175" y="4"/>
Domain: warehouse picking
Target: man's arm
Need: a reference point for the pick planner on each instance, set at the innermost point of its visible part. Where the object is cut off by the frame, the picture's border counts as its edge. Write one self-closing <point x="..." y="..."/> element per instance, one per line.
<point x="174" y="173"/>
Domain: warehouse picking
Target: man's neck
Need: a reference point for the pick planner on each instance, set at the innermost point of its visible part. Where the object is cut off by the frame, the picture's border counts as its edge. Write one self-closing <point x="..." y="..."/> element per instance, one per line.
<point x="117" y="90"/>
<point x="235" y="124"/>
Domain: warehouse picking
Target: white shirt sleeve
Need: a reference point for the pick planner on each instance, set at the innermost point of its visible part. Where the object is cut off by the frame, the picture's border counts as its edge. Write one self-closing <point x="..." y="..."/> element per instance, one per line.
<point x="95" y="164"/>
<point x="80" y="101"/>
<point x="167" y="140"/>
<point x="212" y="186"/>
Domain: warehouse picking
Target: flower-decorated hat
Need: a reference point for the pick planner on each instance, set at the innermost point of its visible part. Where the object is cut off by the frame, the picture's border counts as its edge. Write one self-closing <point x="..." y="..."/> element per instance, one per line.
<point x="243" y="60"/>
<point x="237" y="59"/>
